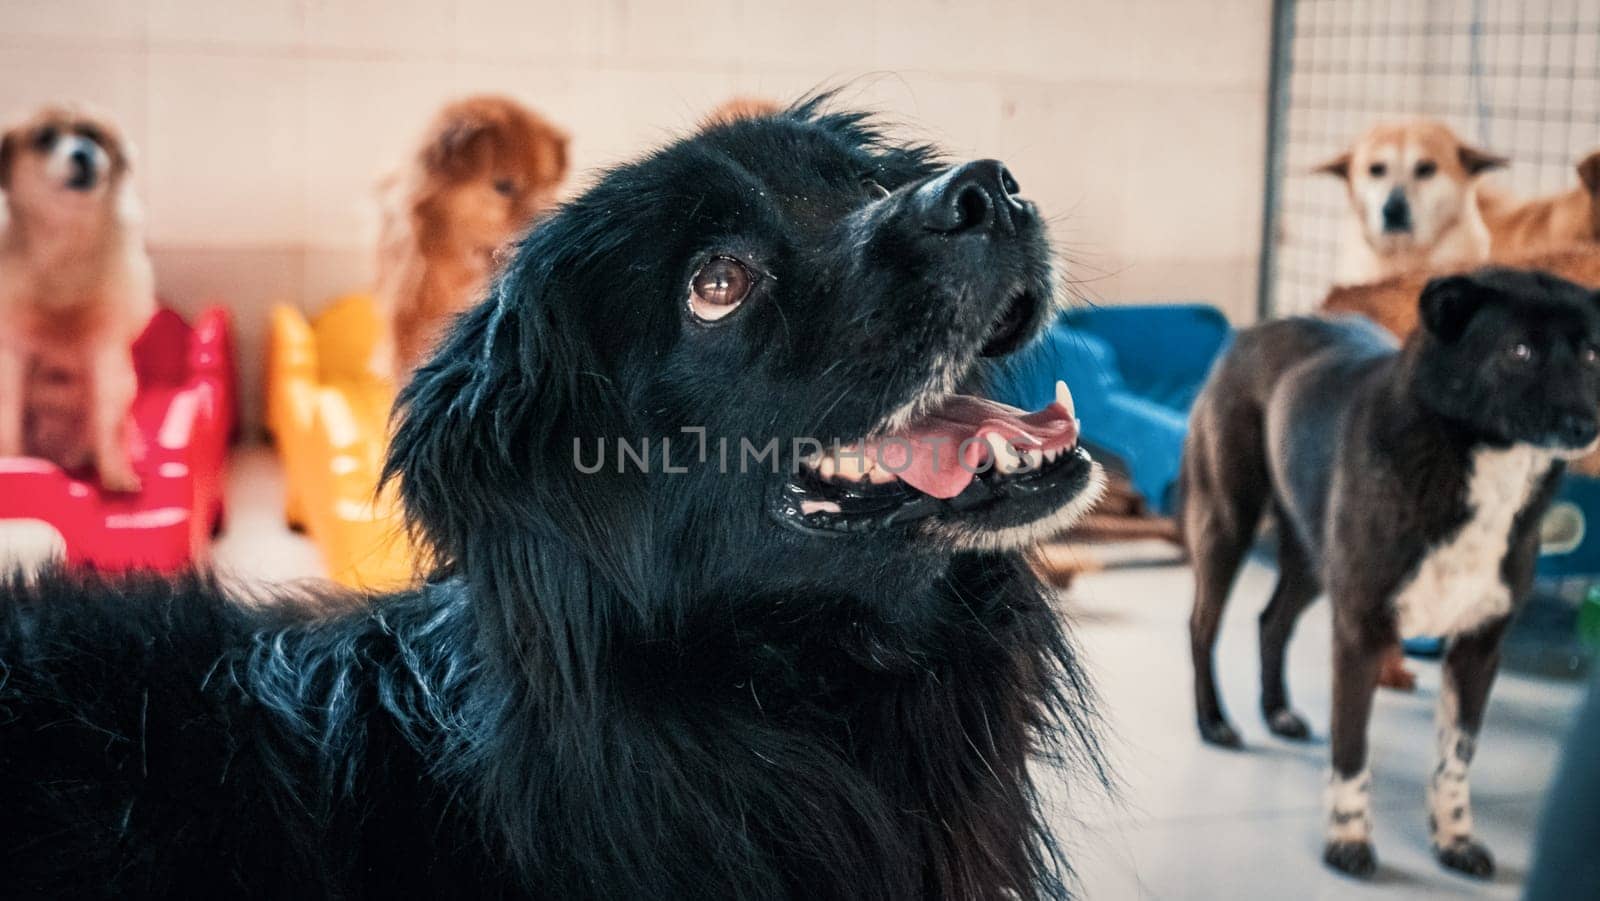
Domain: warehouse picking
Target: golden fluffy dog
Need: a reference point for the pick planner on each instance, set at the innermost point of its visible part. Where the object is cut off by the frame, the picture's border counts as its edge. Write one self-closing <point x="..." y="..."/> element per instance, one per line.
<point x="485" y="168"/>
<point x="1413" y="201"/>
<point x="1545" y="223"/>
<point x="76" y="289"/>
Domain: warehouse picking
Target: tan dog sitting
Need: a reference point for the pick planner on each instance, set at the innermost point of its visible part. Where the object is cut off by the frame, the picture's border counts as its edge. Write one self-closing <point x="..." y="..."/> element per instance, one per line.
<point x="1413" y="201"/>
<point x="1545" y="223"/>
<point x="76" y="289"/>
<point x="485" y="168"/>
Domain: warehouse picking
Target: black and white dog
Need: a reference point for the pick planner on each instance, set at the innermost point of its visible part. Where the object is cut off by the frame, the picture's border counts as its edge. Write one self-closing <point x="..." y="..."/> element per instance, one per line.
<point x="742" y="663"/>
<point x="1409" y="483"/>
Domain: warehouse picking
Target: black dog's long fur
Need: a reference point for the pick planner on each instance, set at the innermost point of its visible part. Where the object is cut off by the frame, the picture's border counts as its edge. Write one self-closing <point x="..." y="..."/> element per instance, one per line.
<point x="614" y="685"/>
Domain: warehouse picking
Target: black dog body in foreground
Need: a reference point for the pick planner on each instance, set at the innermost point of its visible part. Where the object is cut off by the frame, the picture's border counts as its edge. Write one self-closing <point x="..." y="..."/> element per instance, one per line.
<point x="681" y="677"/>
<point x="1409" y="483"/>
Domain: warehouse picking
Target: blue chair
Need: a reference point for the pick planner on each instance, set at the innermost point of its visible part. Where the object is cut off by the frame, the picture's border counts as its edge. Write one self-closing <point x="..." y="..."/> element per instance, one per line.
<point x="1134" y="373"/>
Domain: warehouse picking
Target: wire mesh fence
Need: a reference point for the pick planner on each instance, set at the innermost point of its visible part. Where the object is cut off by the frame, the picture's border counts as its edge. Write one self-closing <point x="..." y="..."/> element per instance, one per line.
<point x="1517" y="77"/>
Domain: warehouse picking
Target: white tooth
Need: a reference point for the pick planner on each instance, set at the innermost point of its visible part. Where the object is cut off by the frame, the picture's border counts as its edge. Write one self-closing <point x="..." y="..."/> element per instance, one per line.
<point x="1010" y="462"/>
<point x="876" y="471"/>
<point x="1032" y="458"/>
<point x="1064" y="397"/>
<point x="1005" y="459"/>
<point x="1051" y="455"/>
<point x="828" y="466"/>
<point x="807" y="507"/>
<point x="855" y="463"/>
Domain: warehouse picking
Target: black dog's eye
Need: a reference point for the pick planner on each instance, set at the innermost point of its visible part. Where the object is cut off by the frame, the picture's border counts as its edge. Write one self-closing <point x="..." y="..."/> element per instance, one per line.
<point x="1590" y="354"/>
<point x="875" y="190"/>
<point x="1426" y="168"/>
<point x="1520" y="352"/>
<point x="44" y="139"/>
<point x="505" y="187"/>
<point x="1377" y="170"/>
<point x="719" y="287"/>
<point x="90" y="133"/>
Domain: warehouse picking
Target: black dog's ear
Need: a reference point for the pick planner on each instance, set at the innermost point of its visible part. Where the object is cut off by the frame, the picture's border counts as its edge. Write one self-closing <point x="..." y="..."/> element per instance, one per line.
<point x="486" y="433"/>
<point x="1448" y="305"/>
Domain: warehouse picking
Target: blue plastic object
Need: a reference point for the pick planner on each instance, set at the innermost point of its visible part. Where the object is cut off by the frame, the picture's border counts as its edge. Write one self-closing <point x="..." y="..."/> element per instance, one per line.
<point x="1571" y="531"/>
<point x="1134" y="372"/>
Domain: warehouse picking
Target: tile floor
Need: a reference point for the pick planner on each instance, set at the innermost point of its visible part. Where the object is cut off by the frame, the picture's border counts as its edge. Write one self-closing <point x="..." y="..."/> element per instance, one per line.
<point x="255" y="545"/>
<point x="1197" y="822"/>
<point x="1189" y="821"/>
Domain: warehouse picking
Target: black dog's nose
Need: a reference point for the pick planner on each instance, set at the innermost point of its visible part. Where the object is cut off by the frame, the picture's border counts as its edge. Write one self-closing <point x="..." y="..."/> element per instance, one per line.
<point x="1396" y="212"/>
<point x="1574" y="430"/>
<point x="974" y="196"/>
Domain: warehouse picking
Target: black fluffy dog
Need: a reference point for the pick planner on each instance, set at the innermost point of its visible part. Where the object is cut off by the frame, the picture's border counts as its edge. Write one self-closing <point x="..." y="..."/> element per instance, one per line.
<point x="1407" y="481"/>
<point x="724" y="663"/>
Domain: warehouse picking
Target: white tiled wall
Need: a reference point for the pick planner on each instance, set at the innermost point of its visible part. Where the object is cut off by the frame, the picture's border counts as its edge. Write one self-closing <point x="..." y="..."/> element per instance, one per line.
<point x="263" y="124"/>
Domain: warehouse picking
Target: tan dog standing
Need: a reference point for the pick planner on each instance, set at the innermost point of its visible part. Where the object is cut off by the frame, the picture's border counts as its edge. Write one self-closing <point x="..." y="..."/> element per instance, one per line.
<point x="1413" y="201"/>
<point x="76" y="290"/>
<point x="1545" y="223"/>
<point x="485" y="168"/>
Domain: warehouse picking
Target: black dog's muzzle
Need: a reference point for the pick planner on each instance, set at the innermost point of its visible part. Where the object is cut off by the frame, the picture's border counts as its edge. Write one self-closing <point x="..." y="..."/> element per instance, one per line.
<point x="974" y="197"/>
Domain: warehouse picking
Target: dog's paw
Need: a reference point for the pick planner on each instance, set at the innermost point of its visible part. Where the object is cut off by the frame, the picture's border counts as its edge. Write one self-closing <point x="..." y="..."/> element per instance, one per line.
<point x="1218" y="732"/>
<point x="1351" y="858"/>
<point x="119" y="479"/>
<point x="1466" y="856"/>
<point x="1285" y="723"/>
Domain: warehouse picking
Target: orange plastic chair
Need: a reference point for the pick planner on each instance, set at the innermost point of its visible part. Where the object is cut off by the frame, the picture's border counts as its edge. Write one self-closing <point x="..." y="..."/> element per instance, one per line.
<point x="329" y="414"/>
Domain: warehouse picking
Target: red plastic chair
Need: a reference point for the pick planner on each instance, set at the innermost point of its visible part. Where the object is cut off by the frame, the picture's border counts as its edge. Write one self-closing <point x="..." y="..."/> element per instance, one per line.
<point x="183" y="418"/>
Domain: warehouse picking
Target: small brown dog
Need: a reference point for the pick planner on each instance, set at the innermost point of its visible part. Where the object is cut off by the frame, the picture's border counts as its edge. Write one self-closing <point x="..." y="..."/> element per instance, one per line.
<point x="1545" y="223"/>
<point x="487" y="166"/>
<point x="1413" y="201"/>
<point x="76" y="289"/>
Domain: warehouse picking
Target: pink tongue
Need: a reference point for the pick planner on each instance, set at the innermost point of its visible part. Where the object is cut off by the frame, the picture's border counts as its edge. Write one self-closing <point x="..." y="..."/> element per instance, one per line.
<point x="948" y="448"/>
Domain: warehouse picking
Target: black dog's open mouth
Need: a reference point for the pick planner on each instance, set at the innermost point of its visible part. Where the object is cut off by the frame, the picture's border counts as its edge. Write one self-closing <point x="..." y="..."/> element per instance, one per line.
<point x="1012" y="328"/>
<point x="968" y="455"/>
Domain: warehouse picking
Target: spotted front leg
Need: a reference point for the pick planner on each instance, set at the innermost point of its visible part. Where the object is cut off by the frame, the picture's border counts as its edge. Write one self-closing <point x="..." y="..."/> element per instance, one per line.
<point x="1348" y="800"/>
<point x="1469" y="669"/>
<point x="1449" y="796"/>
